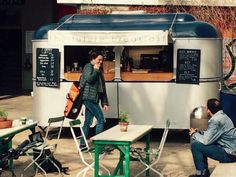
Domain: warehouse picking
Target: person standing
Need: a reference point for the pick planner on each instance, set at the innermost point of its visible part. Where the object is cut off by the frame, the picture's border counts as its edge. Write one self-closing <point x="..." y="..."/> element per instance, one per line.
<point x="94" y="91"/>
<point x="217" y="142"/>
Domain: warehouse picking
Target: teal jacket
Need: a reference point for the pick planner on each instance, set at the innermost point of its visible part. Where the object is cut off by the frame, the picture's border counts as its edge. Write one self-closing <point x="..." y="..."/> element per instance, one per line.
<point x="93" y="84"/>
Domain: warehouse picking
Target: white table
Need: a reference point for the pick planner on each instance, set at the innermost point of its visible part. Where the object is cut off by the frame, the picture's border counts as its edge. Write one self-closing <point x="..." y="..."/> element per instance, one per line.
<point x="9" y="132"/>
<point x="225" y="170"/>
<point x="121" y="141"/>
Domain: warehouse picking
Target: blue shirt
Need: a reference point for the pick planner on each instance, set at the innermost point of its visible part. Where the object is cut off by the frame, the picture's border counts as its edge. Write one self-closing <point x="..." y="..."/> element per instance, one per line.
<point x="220" y="131"/>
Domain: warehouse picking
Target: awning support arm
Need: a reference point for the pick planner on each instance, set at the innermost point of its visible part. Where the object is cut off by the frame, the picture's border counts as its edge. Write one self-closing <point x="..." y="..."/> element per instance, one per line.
<point x="65" y="21"/>
<point x="170" y="29"/>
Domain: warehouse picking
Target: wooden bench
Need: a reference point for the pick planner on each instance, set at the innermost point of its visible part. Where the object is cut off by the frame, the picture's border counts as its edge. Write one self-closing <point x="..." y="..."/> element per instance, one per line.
<point x="224" y="170"/>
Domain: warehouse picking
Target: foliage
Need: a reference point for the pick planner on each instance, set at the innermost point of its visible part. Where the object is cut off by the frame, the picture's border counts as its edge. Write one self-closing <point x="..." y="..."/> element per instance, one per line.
<point x="124" y="116"/>
<point x="227" y="82"/>
<point x="3" y="113"/>
<point x="222" y="17"/>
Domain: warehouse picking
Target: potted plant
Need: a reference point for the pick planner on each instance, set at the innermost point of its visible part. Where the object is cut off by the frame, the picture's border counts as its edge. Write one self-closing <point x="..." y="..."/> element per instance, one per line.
<point x="4" y="123"/>
<point x="123" y="121"/>
<point x="3" y="114"/>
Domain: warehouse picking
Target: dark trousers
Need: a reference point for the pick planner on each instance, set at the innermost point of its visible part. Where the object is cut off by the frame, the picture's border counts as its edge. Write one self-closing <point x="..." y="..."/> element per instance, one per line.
<point x="200" y="153"/>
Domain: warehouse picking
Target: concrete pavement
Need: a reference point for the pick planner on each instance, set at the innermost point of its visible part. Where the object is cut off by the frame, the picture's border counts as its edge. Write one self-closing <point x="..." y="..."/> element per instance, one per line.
<point x="176" y="160"/>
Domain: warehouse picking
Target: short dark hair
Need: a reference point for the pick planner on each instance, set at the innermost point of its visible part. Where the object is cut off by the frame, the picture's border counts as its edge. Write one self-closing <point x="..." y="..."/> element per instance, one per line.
<point x="94" y="53"/>
<point x="214" y="105"/>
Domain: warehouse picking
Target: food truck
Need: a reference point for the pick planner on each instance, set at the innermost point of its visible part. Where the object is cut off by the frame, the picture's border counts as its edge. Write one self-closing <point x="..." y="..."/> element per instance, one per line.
<point x="156" y="66"/>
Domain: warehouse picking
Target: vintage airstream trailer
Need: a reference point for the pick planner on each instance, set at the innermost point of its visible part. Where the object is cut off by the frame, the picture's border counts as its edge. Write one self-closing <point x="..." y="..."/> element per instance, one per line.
<point x="157" y="66"/>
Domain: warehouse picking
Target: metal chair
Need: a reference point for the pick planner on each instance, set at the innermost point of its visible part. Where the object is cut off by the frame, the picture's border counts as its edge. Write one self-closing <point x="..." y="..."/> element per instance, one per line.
<point x="41" y="146"/>
<point x="154" y="154"/>
<point x="87" y="149"/>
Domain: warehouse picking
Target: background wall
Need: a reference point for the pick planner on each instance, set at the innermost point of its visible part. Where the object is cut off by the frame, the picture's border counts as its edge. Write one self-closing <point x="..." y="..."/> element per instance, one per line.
<point x="19" y="19"/>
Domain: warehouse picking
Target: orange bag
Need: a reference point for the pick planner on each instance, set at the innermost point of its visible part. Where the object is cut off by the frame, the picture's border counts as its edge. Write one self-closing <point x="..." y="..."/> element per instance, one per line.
<point x="74" y="101"/>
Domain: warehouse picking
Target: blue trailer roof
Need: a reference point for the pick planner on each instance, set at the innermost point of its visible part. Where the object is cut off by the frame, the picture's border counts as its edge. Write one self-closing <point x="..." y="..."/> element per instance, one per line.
<point x="124" y="18"/>
<point x="184" y="26"/>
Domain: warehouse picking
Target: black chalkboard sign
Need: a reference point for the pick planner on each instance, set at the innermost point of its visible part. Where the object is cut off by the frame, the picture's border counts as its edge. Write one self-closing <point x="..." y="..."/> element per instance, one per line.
<point x="188" y="66"/>
<point x="47" y="67"/>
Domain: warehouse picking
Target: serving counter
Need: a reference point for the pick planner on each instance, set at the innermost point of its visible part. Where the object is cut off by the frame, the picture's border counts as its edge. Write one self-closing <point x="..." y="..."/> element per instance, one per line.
<point x="76" y="76"/>
<point x="151" y="76"/>
<point x="128" y="76"/>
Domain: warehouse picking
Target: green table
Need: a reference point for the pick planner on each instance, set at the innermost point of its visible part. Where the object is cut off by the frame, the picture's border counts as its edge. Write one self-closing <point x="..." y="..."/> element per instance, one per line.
<point x="7" y="134"/>
<point x="121" y="141"/>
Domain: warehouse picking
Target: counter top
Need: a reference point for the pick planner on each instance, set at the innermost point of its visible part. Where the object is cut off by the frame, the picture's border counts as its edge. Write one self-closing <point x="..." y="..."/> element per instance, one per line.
<point x="16" y="129"/>
<point x="114" y="134"/>
<point x="151" y="76"/>
<point x="128" y="76"/>
<point x="75" y="76"/>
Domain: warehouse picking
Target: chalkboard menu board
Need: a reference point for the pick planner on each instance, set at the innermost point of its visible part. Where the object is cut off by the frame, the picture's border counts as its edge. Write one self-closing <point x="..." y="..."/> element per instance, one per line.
<point x="47" y="67"/>
<point x="188" y="66"/>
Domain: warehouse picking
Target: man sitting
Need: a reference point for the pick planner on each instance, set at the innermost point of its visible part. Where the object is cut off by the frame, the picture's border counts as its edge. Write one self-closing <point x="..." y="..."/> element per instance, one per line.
<point x="217" y="142"/>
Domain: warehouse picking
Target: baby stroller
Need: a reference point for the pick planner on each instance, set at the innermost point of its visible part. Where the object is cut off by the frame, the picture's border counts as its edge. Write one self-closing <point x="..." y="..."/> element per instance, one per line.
<point x="8" y="155"/>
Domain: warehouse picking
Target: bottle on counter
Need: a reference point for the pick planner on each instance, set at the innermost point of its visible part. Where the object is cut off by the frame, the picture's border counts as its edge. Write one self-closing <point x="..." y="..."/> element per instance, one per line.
<point x="129" y="65"/>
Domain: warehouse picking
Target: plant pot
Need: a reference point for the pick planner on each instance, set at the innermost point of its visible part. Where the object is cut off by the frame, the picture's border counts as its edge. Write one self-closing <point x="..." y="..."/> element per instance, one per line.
<point x="3" y="119"/>
<point x="123" y="126"/>
<point x="6" y="124"/>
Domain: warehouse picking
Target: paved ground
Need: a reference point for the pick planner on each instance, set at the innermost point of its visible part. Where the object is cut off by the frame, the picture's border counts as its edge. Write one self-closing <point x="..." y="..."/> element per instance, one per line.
<point x="176" y="159"/>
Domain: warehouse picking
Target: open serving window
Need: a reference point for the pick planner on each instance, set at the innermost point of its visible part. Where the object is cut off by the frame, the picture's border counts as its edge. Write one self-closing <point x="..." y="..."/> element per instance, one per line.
<point x="139" y="63"/>
<point x="128" y="55"/>
<point x="77" y="56"/>
<point x="147" y="63"/>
